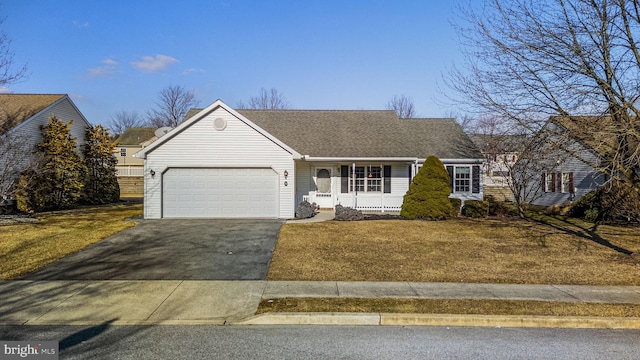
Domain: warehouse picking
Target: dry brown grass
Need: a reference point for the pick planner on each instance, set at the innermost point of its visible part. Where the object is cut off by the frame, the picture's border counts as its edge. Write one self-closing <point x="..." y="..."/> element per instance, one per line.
<point x="29" y="246"/>
<point x="456" y="306"/>
<point x="459" y="250"/>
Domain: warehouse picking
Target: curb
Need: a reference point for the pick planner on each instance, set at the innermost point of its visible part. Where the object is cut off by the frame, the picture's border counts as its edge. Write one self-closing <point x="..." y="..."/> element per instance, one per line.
<point x="387" y="319"/>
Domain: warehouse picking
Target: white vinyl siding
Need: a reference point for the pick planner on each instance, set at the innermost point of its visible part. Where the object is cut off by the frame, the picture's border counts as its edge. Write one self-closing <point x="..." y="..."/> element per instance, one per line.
<point x="65" y="111"/>
<point x="304" y="181"/>
<point x="237" y="146"/>
<point x="29" y="133"/>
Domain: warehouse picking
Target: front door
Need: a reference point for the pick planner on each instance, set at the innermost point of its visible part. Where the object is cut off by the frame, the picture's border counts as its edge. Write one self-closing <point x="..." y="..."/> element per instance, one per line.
<point x="324" y="195"/>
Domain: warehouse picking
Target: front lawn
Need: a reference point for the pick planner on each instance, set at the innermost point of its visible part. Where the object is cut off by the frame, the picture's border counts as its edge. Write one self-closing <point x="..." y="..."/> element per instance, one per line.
<point x="545" y="251"/>
<point x="26" y="247"/>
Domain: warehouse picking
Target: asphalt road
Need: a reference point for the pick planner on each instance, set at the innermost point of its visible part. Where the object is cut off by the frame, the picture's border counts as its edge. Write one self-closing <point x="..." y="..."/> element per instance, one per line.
<point x="174" y="249"/>
<point x="329" y="342"/>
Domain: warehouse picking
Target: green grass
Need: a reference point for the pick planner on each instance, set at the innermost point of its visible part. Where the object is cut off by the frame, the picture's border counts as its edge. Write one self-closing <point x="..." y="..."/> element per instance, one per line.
<point x="26" y="247"/>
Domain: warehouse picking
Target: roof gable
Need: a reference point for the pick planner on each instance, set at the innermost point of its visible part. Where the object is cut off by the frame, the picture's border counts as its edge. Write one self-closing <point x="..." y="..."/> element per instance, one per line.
<point x="18" y="108"/>
<point x="200" y="114"/>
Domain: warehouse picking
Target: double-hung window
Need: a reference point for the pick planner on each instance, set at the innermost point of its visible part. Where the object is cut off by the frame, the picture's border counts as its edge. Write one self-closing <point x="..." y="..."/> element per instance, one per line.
<point x="462" y="179"/>
<point x="365" y="179"/>
<point x="123" y="152"/>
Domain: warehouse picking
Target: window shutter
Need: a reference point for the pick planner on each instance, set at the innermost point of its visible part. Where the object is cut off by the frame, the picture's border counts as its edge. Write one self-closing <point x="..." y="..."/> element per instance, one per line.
<point x="553" y="182"/>
<point x="475" y="179"/>
<point x="559" y="182"/>
<point x="344" y="179"/>
<point x="450" y="171"/>
<point x="544" y="182"/>
<point x="387" y="179"/>
<point x="571" y="182"/>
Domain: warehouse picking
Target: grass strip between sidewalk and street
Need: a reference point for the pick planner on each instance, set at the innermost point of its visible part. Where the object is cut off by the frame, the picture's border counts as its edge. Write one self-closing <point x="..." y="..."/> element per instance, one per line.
<point x="25" y="247"/>
<point x="448" y="306"/>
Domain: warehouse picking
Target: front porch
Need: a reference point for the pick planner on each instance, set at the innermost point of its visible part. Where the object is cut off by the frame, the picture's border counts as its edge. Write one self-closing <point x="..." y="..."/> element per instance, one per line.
<point x="364" y="202"/>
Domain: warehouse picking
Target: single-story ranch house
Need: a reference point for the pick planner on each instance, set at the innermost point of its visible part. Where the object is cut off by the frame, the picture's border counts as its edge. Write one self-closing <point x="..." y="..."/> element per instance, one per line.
<point x="226" y="163"/>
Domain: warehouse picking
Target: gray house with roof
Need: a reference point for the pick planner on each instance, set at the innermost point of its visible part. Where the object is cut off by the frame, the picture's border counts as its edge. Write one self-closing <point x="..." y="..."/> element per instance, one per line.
<point x="222" y="162"/>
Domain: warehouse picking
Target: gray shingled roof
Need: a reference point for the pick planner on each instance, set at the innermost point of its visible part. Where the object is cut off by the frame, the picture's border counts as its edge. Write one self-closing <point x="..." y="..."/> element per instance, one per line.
<point x="363" y="133"/>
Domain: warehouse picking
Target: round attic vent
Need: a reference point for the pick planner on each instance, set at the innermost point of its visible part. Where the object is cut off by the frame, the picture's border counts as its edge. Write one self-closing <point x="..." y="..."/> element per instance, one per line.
<point x="219" y="124"/>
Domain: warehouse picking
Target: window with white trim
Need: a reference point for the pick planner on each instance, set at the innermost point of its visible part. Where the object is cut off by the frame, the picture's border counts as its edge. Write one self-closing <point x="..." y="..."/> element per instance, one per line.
<point x="567" y="182"/>
<point x="561" y="182"/>
<point x="550" y="182"/>
<point x="123" y="152"/>
<point x="367" y="179"/>
<point x="462" y="179"/>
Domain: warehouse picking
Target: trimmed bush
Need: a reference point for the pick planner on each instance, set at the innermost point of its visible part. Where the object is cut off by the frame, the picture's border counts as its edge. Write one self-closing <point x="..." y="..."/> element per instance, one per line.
<point x="476" y="208"/>
<point x="428" y="195"/>
<point x="610" y="204"/>
<point x="344" y="213"/>
<point x="456" y="206"/>
<point x="305" y="210"/>
<point x="497" y="208"/>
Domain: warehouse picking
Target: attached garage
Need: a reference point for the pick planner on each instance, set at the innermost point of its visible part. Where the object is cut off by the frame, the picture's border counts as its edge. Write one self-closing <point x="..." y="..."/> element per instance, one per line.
<point x="218" y="164"/>
<point x="220" y="193"/>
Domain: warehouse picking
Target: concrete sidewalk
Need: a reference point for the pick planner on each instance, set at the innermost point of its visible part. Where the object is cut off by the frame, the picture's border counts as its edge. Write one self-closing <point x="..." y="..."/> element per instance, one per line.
<point x="121" y="302"/>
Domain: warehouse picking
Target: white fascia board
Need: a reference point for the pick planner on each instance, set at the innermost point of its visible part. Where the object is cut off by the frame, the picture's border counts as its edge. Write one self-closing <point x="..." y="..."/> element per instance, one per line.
<point x="142" y="154"/>
<point x="352" y="159"/>
<point x="63" y="97"/>
<point x="216" y="104"/>
<point x="459" y="161"/>
<point x="75" y="107"/>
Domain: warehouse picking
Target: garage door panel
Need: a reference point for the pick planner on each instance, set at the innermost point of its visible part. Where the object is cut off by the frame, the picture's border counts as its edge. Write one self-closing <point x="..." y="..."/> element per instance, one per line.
<point x="223" y="192"/>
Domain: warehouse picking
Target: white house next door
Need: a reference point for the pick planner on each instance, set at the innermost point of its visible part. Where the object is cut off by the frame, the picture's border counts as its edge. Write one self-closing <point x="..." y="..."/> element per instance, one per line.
<point x="324" y="193"/>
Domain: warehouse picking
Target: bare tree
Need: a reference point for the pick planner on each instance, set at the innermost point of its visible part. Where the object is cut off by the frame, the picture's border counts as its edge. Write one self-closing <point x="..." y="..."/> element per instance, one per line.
<point x="9" y="72"/>
<point x="402" y="105"/>
<point x="529" y="61"/>
<point x="123" y="120"/>
<point x="173" y="104"/>
<point x="270" y="99"/>
<point x="514" y="159"/>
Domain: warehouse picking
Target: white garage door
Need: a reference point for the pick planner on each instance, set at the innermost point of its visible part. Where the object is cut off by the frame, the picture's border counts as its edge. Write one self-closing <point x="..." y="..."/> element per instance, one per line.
<point x="219" y="193"/>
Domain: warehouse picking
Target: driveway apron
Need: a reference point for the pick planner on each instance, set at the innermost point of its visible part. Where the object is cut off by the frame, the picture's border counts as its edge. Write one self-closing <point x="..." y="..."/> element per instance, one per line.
<point x="174" y="249"/>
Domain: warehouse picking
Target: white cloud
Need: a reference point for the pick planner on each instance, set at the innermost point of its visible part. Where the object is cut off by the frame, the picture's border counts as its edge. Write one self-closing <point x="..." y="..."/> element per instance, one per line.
<point x="5" y="90"/>
<point x="152" y="64"/>
<point x="80" y="24"/>
<point x="107" y="69"/>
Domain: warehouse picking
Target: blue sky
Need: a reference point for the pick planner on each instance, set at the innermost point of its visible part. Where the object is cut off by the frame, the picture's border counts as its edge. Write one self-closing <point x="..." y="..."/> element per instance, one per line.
<point x="117" y="55"/>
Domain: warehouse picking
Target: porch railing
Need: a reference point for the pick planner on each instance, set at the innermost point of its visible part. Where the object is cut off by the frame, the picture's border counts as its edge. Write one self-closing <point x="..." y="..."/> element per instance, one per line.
<point x="129" y="171"/>
<point x="366" y="202"/>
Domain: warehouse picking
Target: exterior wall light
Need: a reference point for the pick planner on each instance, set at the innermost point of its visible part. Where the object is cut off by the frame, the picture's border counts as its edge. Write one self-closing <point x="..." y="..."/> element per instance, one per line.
<point x="286" y="173"/>
<point x="153" y="173"/>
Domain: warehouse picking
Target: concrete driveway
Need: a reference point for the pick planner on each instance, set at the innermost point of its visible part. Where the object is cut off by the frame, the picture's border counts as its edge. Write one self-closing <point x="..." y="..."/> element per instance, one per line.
<point x="174" y="250"/>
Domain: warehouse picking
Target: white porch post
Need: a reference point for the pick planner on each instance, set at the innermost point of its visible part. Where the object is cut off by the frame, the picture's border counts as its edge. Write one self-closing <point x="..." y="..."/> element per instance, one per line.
<point x="355" y="189"/>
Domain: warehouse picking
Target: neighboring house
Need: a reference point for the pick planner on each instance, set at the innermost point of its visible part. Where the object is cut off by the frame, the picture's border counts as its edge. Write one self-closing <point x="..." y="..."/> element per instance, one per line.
<point x="129" y="168"/>
<point x="222" y="162"/>
<point x="21" y="119"/>
<point x="500" y="155"/>
<point x="566" y="178"/>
